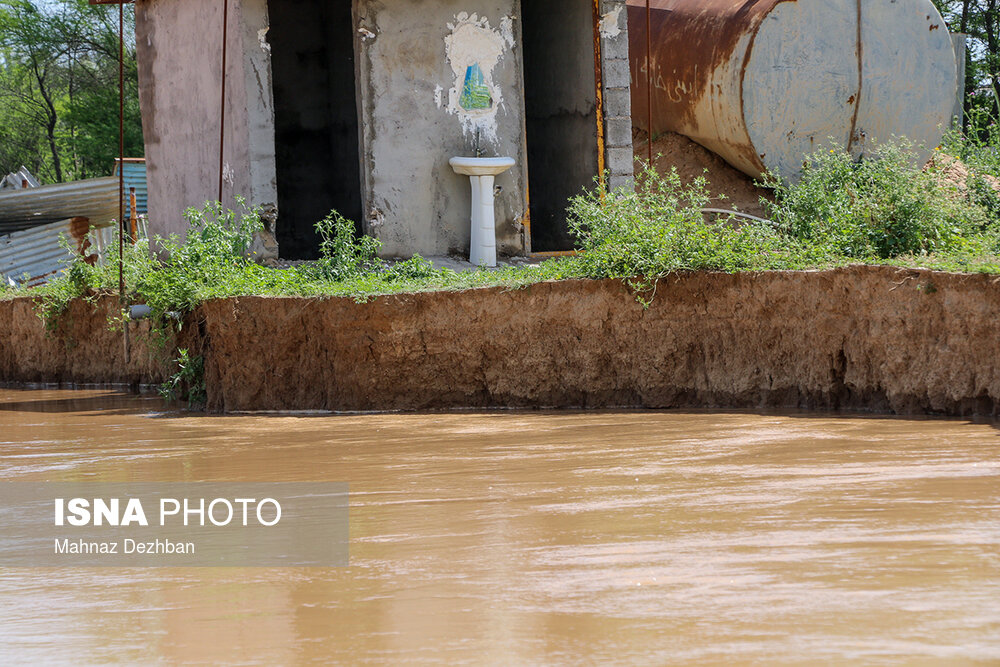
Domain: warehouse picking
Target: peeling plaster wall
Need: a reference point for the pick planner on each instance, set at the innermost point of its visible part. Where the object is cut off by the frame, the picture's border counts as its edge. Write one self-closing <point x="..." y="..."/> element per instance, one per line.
<point x="409" y="57"/>
<point x="475" y="49"/>
<point x="179" y="44"/>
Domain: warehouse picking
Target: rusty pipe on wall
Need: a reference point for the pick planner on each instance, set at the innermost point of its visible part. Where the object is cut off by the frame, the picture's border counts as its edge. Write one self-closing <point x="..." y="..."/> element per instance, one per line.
<point x="764" y="82"/>
<point x="222" y="95"/>
<point x="123" y="299"/>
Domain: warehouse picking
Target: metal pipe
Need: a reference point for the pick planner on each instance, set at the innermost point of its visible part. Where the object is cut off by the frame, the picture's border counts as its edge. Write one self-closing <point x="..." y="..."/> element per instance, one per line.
<point x="133" y="219"/>
<point x="142" y="312"/>
<point x="599" y="94"/>
<point x="736" y="214"/>
<point x="222" y="109"/>
<point x="555" y="253"/>
<point x="852" y="135"/>
<point x="121" y="153"/>
<point x="121" y="176"/>
<point x="649" y="81"/>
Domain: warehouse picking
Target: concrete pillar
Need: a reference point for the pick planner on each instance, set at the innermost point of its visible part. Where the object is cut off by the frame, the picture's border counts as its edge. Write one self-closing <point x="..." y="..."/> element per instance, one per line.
<point x="179" y="45"/>
<point x="617" y="82"/>
<point x="960" y="40"/>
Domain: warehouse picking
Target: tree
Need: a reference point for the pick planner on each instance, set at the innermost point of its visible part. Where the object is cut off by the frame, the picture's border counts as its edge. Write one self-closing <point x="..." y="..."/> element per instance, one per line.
<point x="59" y="88"/>
<point x="980" y="20"/>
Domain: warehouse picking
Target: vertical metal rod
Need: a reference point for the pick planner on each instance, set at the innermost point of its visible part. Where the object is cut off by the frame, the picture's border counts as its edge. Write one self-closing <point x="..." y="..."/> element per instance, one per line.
<point x="121" y="175"/>
<point x="649" y="80"/>
<point x="121" y="152"/>
<point x="599" y="95"/>
<point x="222" y="109"/>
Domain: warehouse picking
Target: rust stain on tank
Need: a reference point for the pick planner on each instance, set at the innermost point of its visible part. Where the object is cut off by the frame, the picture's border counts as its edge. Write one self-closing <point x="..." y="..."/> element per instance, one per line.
<point x="691" y="40"/>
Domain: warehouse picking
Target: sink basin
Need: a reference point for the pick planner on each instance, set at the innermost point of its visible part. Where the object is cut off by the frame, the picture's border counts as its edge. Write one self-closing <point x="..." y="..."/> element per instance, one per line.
<point x="481" y="166"/>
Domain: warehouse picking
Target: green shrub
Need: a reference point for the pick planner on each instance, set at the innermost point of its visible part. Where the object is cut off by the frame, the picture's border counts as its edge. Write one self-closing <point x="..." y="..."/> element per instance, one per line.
<point x="78" y="279"/>
<point x="659" y="227"/>
<point x="980" y="148"/>
<point x="215" y="261"/>
<point x="166" y="274"/>
<point x="414" y="268"/>
<point x="342" y="254"/>
<point x="188" y="382"/>
<point x="881" y="207"/>
<point x="215" y="249"/>
<point x="983" y="193"/>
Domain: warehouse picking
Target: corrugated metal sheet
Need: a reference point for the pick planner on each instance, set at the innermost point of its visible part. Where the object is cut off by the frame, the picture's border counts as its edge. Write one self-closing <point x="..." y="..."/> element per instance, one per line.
<point x="96" y="199"/>
<point x="135" y="177"/>
<point x="15" y="180"/>
<point x="105" y="242"/>
<point x="29" y="257"/>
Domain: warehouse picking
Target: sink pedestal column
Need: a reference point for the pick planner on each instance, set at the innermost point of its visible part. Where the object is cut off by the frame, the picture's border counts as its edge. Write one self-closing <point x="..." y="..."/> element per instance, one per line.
<point x="482" y="173"/>
<point x="483" y="250"/>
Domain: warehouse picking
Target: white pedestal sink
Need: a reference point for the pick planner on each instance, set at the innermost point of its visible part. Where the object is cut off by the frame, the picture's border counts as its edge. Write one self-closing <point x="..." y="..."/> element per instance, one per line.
<point x="482" y="172"/>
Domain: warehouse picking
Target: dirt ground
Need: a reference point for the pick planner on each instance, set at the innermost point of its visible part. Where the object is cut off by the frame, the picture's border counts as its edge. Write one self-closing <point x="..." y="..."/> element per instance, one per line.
<point x="954" y="174"/>
<point x="863" y="338"/>
<point x="730" y="188"/>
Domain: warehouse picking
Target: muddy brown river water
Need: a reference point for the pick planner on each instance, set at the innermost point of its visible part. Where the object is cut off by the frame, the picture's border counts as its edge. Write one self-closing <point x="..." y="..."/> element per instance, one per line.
<point x="537" y="538"/>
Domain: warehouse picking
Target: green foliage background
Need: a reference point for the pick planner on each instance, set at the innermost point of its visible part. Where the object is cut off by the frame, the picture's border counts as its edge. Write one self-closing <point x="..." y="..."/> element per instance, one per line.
<point x="59" y="88"/>
<point x="980" y="19"/>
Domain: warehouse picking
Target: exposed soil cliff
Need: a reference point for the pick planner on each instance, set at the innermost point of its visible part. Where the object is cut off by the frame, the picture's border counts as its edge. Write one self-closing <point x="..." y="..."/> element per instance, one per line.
<point x="82" y="349"/>
<point x="862" y="338"/>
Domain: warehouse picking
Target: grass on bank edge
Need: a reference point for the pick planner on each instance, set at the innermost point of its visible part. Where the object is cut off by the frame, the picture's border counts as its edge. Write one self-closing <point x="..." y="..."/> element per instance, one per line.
<point x="880" y="211"/>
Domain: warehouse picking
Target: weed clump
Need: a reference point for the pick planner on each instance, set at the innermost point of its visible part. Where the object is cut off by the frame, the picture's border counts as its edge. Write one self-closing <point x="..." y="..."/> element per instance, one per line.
<point x="342" y="254"/>
<point x="659" y="227"/>
<point x="188" y="382"/>
<point x="215" y="251"/>
<point x="878" y="208"/>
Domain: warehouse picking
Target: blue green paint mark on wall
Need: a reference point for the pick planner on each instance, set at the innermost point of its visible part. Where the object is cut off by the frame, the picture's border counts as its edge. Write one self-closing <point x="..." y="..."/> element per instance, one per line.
<point x="475" y="92"/>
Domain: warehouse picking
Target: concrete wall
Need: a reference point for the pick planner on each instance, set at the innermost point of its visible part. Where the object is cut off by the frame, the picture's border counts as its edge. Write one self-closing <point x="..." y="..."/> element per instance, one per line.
<point x="179" y="44"/>
<point x="412" y="59"/>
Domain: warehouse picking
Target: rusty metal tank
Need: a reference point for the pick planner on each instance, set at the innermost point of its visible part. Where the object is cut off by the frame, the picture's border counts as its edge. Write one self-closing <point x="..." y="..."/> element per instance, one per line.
<point x="763" y="82"/>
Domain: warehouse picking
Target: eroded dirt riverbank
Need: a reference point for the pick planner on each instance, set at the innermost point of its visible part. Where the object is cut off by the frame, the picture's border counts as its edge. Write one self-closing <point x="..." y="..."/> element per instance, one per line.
<point x="860" y="338"/>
